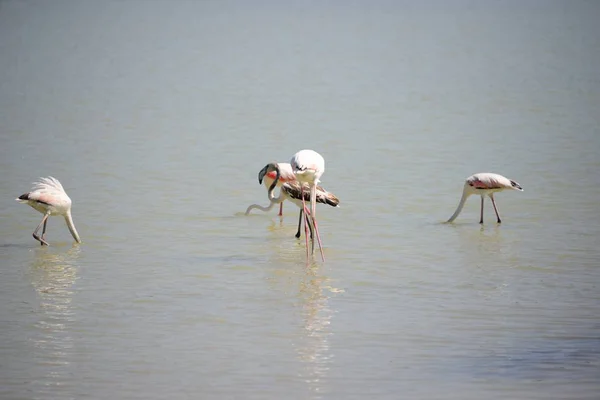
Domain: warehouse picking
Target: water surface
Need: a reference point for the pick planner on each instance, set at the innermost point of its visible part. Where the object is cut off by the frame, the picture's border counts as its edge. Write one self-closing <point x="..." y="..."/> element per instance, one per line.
<point x="157" y="116"/>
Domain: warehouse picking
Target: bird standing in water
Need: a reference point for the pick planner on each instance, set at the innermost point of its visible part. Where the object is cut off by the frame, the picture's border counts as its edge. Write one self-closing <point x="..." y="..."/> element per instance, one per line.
<point x="309" y="166"/>
<point x="48" y="197"/>
<point x="484" y="183"/>
<point x="286" y="175"/>
<point x="290" y="190"/>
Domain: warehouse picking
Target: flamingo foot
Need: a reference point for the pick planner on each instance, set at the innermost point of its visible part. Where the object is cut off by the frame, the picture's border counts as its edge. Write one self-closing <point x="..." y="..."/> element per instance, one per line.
<point x="41" y="240"/>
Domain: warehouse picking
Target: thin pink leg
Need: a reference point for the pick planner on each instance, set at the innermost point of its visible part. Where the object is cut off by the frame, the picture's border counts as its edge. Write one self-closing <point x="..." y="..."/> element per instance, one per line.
<point x="280" y="210"/>
<point x="306" y="213"/>
<point x="313" y="201"/>
<point x="35" y="236"/>
<point x="495" y="209"/>
<point x="44" y="230"/>
<point x="318" y="237"/>
<point x="312" y="239"/>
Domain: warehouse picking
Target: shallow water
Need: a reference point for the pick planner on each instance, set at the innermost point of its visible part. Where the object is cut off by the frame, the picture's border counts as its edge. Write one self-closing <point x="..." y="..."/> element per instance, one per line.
<point x="157" y="117"/>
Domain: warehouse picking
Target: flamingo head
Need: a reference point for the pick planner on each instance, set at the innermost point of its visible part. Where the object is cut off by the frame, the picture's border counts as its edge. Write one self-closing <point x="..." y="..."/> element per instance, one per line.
<point x="271" y="167"/>
<point x="516" y="186"/>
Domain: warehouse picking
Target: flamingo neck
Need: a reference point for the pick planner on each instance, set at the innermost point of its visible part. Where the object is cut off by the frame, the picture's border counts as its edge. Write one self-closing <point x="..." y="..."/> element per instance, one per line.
<point x="461" y="204"/>
<point x="71" y="227"/>
<point x="261" y="208"/>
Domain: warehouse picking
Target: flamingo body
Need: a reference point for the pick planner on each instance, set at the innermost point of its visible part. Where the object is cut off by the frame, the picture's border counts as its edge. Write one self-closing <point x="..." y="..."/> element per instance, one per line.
<point x="309" y="166"/>
<point x="294" y="192"/>
<point x="50" y="198"/>
<point x="290" y="189"/>
<point x="485" y="184"/>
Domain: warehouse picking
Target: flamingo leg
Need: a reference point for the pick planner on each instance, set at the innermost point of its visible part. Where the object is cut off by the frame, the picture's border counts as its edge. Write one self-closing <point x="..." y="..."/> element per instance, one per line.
<point x="305" y="220"/>
<point x="35" y="236"/>
<point x="314" y="221"/>
<point x="312" y="239"/>
<point x="299" y="225"/>
<point x="44" y="230"/>
<point x="495" y="208"/>
<point x="313" y="201"/>
<point x="481" y="214"/>
<point x="280" y="210"/>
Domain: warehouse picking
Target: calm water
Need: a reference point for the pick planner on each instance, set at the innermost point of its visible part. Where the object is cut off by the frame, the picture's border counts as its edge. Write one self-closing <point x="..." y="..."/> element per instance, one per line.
<point x="157" y="116"/>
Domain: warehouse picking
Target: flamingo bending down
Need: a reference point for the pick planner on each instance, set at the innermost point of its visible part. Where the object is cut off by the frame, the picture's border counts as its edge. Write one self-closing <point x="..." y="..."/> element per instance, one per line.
<point x="49" y="198"/>
<point x="286" y="175"/>
<point x="268" y="175"/>
<point x="309" y="166"/>
<point x="484" y="183"/>
<point x="290" y="190"/>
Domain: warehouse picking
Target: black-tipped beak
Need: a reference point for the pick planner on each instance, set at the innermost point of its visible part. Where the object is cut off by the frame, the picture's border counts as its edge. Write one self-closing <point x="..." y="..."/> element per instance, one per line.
<point x="262" y="174"/>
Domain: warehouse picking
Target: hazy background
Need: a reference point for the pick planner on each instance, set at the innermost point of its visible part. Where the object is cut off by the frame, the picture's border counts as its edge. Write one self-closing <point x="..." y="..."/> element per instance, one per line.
<point x="157" y="116"/>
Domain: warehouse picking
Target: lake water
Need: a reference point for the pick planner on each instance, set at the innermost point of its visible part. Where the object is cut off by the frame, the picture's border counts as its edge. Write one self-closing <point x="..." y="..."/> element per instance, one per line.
<point x="157" y="116"/>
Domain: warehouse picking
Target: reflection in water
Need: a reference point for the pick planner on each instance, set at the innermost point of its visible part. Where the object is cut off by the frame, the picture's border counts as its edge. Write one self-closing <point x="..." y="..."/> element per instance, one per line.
<point x="52" y="276"/>
<point x="313" y="290"/>
<point x="314" y="351"/>
<point x="487" y="253"/>
<point x="488" y="245"/>
<point x="314" y="347"/>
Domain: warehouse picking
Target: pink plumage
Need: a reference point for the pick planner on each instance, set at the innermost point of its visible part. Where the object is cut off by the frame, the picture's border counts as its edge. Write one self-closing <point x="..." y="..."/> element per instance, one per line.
<point x="49" y="198"/>
<point x="484" y="184"/>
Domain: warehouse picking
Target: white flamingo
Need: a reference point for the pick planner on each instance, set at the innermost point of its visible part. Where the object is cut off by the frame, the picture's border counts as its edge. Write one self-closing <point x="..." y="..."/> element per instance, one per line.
<point x="290" y="190"/>
<point x="484" y="183"/>
<point x="48" y="197"/>
<point x="309" y="166"/>
<point x="286" y="175"/>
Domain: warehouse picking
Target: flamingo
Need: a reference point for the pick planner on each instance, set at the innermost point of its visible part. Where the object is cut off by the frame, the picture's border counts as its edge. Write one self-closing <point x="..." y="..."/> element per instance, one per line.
<point x="309" y="166"/>
<point x="294" y="191"/>
<point x="484" y="183"/>
<point x="286" y="175"/>
<point x="290" y="190"/>
<point x="49" y="198"/>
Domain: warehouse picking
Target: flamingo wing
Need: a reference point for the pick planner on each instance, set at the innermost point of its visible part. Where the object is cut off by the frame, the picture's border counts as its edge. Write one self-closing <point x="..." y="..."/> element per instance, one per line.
<point x="293" y="190"/>
<point x="488" y="181"/>
<point x="40" y="197"/>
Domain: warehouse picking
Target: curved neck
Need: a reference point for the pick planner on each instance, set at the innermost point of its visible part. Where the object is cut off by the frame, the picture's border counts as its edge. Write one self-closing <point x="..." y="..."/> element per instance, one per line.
<point x="261" y="208"/>
<point x="71" y="226"/>
<point x="463" y="199"/>
<point x="272" y="198"/>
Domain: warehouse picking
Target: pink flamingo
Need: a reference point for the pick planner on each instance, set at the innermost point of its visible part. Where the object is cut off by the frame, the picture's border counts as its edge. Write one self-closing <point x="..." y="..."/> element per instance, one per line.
<point x="309" y="166"/>
<point x="286" y="175"/>
<point x="484" y="183"/>
<point x="49" y="198"/>
<point x="290" y="190"/>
